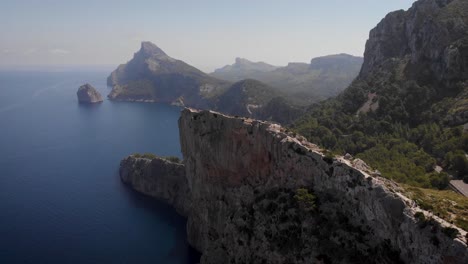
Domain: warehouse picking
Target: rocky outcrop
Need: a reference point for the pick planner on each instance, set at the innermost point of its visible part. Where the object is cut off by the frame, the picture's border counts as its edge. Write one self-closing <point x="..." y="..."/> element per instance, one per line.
<point x="87" y="94"/>
<point x="254" y="193"/>
<point x="159" y="178"/>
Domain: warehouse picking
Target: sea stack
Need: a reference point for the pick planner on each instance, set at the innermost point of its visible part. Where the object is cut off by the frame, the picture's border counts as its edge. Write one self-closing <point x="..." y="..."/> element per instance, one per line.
<point x="87" y="94"/>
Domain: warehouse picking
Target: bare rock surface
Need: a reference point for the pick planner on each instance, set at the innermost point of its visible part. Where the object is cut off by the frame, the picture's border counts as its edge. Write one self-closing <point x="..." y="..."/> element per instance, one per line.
<point x="87" y="94"/>
<point x="252" y="193"/>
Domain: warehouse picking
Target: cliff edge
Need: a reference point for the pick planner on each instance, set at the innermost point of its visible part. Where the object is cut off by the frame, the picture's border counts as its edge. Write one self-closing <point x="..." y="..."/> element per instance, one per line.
<point x="254" y="193"/>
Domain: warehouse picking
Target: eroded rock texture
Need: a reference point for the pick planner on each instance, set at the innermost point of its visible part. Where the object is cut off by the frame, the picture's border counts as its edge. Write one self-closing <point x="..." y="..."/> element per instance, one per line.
<point x="253" y="193"/>
<point x="87" y="94"/>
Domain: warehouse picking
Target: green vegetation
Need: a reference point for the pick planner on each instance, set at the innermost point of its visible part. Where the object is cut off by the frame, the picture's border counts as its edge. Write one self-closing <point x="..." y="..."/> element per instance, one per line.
<point x="421" y="218"/>
<point x="445" y="204"/>
<point x="172" y="159"/>
<point x="306" y="199"/>
<point x="405" y="153"/>
<point x="450" y="232"/>
<point x="144" y="155"/>
<point x="405" y="139"/>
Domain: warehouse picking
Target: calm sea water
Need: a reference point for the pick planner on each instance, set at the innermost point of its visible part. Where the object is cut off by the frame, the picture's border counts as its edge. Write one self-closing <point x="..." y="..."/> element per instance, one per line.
<point x="61" y="200"/>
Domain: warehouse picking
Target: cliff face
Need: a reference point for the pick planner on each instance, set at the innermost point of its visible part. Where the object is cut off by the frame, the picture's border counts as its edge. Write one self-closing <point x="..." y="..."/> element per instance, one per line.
<point x="431" y="34"/>
<point x="255" y="194"/>
<point x="159" y="178"/>
<point x="413" y="60"/>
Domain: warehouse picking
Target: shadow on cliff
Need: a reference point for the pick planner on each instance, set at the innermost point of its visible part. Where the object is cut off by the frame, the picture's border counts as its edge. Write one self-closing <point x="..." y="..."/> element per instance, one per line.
<point x="169" y="216"/>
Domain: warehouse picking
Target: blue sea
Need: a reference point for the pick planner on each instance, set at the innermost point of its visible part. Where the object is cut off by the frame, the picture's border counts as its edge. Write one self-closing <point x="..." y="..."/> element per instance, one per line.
<point x="61" y="199"/>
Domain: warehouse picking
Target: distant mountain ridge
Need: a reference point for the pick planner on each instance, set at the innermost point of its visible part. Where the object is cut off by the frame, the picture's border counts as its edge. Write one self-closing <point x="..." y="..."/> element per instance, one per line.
<point x="153" y="76"/>
<point x="324" y="77"/>
<point x="242" y="67"/>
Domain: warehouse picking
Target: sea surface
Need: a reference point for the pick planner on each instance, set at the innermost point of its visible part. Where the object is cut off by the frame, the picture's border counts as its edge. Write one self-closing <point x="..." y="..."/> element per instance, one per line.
<point x="61" y="200"/>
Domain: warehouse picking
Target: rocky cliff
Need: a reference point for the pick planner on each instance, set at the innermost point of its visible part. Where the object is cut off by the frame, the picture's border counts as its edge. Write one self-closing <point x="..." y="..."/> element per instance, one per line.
<point x="159" y="178"/>
<point x="87" y="94"/>
<point x="414" y="60"/>
<point x="255" y="193"/>
<point x="432" y="35"/>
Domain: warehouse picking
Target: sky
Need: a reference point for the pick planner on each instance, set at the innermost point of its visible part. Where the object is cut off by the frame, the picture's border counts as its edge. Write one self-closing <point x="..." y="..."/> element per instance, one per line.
<point x="207" y="34"/>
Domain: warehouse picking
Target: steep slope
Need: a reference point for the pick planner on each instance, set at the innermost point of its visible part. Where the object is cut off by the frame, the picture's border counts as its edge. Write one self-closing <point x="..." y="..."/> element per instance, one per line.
<point x="253" y="193"/>
<point x="154" y="76"/>
<point x="324" y="77"/>
<point x="411" y="88"/>
<point x="414" y="59"/>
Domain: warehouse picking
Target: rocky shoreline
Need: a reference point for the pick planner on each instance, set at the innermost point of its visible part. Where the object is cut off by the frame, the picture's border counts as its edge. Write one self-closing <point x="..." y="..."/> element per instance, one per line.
<point x="254" y="193"/>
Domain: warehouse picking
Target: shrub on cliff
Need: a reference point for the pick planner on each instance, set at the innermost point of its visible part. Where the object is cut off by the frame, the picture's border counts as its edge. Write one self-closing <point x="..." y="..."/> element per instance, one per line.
<point x="421" y="219"/>
<point x="450" y="232"/>
<point x="306" y="199"/>
<point x="144" y="155"/>
<point x="172" y="159"/>
<point x="149" y="156"/>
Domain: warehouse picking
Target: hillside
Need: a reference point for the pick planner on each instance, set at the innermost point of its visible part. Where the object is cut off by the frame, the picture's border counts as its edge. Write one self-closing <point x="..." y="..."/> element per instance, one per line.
<point x="403" y="111"/>
<point x="256" y="99"/>
<point x="324" y="77"/>
<point x="242" y="69"/>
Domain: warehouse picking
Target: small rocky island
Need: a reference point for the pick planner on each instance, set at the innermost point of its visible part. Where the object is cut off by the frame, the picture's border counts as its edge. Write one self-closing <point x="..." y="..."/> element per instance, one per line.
<point x="87" y="94"/>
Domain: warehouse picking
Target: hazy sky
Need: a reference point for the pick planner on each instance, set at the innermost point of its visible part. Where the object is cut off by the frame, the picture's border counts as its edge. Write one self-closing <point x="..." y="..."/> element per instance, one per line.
<point x="205" y="33"/>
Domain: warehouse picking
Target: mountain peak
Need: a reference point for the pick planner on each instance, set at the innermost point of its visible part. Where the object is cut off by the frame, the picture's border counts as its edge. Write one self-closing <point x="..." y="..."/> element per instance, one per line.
<point x="150" y="48"/>
<point x="336" y="61"/>
<point x="242" y="61"/>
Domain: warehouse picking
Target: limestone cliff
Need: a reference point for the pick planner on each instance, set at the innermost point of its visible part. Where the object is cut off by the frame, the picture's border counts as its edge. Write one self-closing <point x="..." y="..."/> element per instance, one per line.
<point x="254" y="193"/>
<point x="414" y="60"/>
<point x="159" y="178"/>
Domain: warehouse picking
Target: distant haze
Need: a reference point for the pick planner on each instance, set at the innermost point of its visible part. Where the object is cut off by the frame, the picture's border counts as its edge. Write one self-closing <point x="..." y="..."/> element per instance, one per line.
<point x="206" y="34"/>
